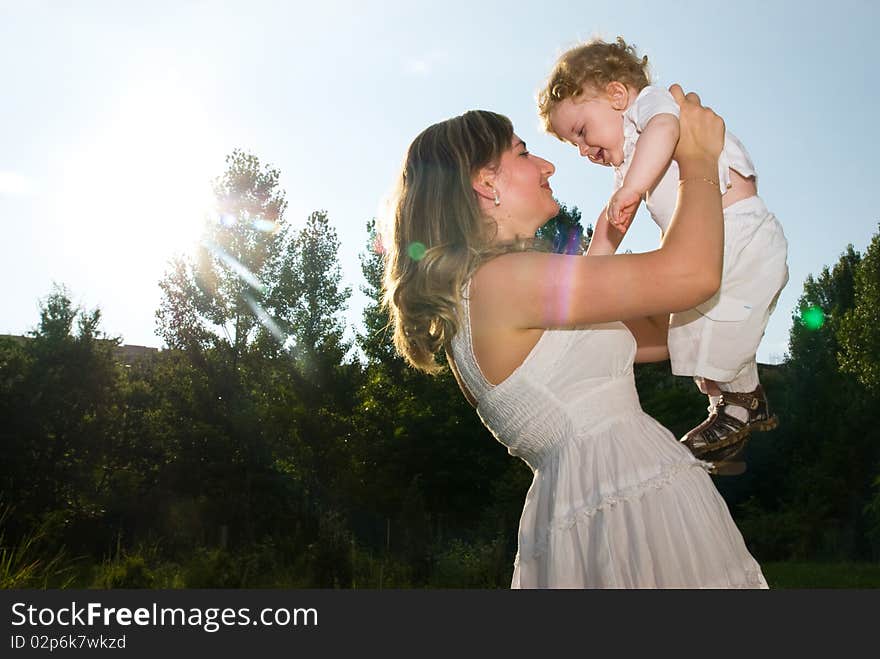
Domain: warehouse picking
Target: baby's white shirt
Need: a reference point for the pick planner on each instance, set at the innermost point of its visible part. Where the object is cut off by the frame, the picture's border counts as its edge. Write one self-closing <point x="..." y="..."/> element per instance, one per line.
<point x="661" y="200"/>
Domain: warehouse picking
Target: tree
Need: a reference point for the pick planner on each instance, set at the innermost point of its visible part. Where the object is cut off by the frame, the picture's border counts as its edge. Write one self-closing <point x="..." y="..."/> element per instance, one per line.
<point x="309" y="298"/>
<point x="565" y="232"/>
<point x="376" y="341"/>
<point x="811" y="478"/>
<point x="425" y="461"/>
<point x="60" y="414"/>
<point x="859" y="328"/>
<point x="258" y="313"/>
<point x="218" y="299"/>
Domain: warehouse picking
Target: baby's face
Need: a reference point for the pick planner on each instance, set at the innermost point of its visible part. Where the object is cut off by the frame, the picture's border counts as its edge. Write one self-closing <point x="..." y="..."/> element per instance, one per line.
<point x="592" y="124"/>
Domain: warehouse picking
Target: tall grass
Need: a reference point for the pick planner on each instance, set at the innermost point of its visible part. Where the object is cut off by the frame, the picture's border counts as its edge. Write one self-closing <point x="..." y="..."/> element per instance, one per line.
<point x="23" y="563"/>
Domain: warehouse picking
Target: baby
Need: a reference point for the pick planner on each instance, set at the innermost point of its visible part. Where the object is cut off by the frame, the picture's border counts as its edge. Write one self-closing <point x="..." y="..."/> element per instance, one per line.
<point x="598" y="98"/>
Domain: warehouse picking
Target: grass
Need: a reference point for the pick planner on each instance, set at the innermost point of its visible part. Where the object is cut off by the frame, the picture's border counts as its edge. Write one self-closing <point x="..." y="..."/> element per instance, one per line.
<point x="24" y="564"/>
<point x="822" y="575"/>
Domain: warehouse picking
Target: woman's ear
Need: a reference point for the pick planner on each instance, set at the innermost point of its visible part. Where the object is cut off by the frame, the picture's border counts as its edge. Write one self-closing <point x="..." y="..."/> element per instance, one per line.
<point x="618" y="95"/>
<point x="483" y="183"/>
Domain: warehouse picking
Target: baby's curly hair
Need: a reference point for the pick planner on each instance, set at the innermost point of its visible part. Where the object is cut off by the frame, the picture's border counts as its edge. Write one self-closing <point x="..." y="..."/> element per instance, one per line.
<point x="591" y="65"/>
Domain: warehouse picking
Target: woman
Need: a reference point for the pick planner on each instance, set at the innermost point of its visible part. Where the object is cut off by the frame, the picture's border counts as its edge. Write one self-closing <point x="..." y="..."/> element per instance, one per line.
<point x="536" y="343"/>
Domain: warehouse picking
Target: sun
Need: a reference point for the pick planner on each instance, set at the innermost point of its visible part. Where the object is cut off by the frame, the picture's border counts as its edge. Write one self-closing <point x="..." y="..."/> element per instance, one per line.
<point x="137" y="189"/>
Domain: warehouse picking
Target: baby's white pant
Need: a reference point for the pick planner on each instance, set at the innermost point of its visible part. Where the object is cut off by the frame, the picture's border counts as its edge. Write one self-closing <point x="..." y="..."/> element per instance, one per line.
<point x="718" y="339"/>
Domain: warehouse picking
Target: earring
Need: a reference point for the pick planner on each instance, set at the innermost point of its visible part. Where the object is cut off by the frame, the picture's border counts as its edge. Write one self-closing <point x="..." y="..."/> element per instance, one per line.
<point x="497" y="200"/>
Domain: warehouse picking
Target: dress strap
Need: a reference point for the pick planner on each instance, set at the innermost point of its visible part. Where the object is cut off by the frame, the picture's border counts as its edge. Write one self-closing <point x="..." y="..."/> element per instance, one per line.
<point x="462" y="346"/>
<point x="450" y="358"/>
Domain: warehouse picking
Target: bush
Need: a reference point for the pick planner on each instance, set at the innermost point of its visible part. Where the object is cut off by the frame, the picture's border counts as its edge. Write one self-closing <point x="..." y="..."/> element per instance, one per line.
<point x="129" y="571"/>
<point x="478" y="565"/>
<point x="213" y="568"/>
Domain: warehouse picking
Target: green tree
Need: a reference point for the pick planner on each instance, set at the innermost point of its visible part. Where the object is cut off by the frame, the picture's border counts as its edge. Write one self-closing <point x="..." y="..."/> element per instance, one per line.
<point x="375" y="341"/>
<point x="859" y="329"/>
<point x="309" y="296"/>
<point x="565" y="233"/>
<point x="218" y="299"/>
<point x="223" y="310"/>
<point x="428" y="466"/>
<point x="258" y="314"/>
<point x="811" y="478"/>
<point x="60" y="413"/>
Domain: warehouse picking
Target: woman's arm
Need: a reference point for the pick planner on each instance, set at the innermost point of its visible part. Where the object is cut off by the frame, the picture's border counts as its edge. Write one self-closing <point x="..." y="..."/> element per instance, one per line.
<point x="650" y="334"/>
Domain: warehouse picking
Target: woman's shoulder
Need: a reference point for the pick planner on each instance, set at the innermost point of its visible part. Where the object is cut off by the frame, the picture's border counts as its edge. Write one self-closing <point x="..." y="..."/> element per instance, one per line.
<point x="493" y="286"/>
<point x="506" y="269"/>
<point x="515" y="285"/>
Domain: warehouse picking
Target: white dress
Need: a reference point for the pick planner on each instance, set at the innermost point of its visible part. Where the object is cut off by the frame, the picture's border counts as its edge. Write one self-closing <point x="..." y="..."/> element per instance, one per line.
<point x="616" y="501"/>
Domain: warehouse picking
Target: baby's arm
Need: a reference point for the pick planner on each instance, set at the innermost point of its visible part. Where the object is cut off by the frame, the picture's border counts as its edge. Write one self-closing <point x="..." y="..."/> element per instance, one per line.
<point x="651" y="158"/>
<point x="606" y="238"/>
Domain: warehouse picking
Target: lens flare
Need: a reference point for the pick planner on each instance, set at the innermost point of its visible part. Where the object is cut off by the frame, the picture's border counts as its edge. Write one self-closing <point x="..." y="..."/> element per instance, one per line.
<point x="568" y="240"/>
<point x="416" y="251"/>
<point x="812" y="317"/>
<point x="235" y="265"/>
<point x="266" y="226"/>
<point x="560" y="309"/>
<point x="253" y="281"/>
<point x="266" y="320"/>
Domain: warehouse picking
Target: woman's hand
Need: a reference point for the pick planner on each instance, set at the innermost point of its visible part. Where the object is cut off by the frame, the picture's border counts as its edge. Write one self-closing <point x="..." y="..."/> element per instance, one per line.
<point x="701" y="135"/>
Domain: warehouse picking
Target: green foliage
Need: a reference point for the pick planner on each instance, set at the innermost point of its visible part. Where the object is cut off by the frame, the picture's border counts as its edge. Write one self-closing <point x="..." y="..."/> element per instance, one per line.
<point x="375" y="341"/>
<point x="465" y="565"/>
<point x="30" y="562"/>
<point x="329" y="557"/>
<point x="380" y="572"/>
<point x="821" y="575"/>
<point x="808" y="491"/>
<point x="310" y="283"/>
<point x="872" y="514"/>
<point x="565" y="233"/>
<point x="226" y="295"/>
<point x="775" y="534"/>
<point x="129" y="572"/>
<point x="214" y="568"/>
<point x="859" y="331"/>
<point x="418" y="432"/>
<point x="60" y="391"/>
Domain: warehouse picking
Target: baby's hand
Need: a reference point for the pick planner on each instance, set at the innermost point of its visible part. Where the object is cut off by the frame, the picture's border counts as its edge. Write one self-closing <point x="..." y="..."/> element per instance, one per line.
<point x="622" y="208"/>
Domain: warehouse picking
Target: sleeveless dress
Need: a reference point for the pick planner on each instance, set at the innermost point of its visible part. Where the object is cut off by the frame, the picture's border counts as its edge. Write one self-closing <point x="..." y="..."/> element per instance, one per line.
<point x="616" y="501"/>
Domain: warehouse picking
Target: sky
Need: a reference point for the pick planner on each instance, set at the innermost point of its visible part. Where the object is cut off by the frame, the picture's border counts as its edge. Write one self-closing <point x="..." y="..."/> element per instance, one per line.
<point x="116" y="117"/>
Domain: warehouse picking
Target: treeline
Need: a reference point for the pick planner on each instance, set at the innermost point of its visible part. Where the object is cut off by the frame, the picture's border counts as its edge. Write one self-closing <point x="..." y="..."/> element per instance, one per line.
<point x="264" y="449"/>
<point x="261" y="448"/>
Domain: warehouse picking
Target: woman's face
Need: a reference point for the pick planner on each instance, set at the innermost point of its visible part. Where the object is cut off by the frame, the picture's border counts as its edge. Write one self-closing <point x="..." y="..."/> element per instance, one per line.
<point x="522" y="183"/>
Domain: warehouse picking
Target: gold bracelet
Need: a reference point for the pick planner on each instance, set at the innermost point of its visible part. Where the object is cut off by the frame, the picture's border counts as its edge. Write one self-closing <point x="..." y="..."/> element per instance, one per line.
<point x="699" y="178"/>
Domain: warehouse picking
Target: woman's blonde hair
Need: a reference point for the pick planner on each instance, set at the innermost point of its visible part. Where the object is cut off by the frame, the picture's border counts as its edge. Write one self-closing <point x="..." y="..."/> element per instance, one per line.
<point x="592" y="66"/>
<point x="438" y="234"/>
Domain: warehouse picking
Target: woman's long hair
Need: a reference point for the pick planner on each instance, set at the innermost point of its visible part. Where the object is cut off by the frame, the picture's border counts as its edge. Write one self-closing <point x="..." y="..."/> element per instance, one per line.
<point x="438" y="234"/>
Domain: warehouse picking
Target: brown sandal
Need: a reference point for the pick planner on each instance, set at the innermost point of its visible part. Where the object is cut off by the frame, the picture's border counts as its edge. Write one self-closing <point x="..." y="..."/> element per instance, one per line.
<point x="722" y="437"/>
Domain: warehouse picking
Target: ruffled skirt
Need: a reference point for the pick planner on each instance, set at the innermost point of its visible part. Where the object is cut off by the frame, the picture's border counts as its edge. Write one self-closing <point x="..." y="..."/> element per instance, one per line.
<point x="627" y="506"/>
